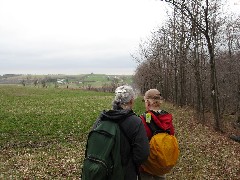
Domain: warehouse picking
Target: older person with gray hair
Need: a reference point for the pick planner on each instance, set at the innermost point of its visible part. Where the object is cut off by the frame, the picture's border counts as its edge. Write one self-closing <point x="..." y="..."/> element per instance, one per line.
<point x="134" y="146"/>
<point x="124" y="98"/>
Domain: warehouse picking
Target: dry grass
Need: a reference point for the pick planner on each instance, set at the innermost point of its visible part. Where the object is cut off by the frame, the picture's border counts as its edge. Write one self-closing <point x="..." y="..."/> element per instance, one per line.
<point x="205" y="154"/>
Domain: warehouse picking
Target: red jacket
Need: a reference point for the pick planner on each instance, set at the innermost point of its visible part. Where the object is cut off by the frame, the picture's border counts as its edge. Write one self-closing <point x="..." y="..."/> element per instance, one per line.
<point x="163" y="120"/>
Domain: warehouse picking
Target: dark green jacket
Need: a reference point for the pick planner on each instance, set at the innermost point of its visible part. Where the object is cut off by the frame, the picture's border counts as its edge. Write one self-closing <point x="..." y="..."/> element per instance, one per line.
<point x="134" y="141"/>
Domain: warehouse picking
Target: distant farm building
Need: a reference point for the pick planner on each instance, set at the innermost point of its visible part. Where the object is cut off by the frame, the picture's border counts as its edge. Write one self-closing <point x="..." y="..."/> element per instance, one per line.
<point x="61" y="81"/>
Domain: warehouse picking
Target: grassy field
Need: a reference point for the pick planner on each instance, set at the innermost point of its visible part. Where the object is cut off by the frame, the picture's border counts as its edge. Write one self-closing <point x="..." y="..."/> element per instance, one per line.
<point x="43" y="134"/>
<point x="42" y="131"/>
<point x="72" y="81"/>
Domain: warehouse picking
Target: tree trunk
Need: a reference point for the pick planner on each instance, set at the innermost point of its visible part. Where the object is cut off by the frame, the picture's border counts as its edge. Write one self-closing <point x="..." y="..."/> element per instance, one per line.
<point x="214" y="85"/>
<point x="238" y="104"/>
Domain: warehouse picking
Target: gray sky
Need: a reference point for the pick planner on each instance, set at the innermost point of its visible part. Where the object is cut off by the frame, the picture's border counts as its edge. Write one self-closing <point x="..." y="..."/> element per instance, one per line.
<point x="74" y="36"/>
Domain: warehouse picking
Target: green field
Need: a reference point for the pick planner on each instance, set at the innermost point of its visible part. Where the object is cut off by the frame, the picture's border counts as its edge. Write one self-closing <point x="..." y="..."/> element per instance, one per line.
<point x="43" y="133"/>
<point x="38" y="114"/>
<point x="41" y="126"/>
<point x="72" y="81"/>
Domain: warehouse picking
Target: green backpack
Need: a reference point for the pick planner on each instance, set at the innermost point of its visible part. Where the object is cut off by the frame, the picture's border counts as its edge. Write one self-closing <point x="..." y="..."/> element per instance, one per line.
<point x="102" y="156"/>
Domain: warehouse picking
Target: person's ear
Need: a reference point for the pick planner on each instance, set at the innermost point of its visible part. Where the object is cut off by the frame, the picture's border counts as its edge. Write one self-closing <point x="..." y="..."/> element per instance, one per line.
<point x="147" y="104"/>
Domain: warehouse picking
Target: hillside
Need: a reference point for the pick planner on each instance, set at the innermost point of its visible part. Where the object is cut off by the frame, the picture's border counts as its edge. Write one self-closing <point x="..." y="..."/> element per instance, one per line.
<point x="205" y="154"/>
<point x="43" y="134"/>
<point x="61" y="80"/>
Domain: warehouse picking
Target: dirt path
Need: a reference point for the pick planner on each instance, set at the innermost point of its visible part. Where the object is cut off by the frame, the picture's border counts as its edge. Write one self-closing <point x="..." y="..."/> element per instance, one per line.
<point x="205" y="154"/>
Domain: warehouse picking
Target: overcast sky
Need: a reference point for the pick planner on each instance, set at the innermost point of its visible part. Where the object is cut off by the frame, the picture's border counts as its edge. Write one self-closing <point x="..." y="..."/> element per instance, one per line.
<point x="74" y="36"/>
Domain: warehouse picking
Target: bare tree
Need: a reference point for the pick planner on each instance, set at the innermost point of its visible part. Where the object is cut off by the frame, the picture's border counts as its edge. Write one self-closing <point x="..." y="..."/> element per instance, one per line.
<point x="208" y="27"/>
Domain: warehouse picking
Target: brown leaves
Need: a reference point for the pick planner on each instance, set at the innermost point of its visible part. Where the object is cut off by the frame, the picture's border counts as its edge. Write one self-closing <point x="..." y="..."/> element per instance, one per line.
<point x="61" y="161"/>
<point x="204" y="153"/>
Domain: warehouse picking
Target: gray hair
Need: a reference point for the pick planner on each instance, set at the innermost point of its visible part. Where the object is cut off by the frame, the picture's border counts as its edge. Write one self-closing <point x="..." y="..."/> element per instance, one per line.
<point x="123" y="95"/>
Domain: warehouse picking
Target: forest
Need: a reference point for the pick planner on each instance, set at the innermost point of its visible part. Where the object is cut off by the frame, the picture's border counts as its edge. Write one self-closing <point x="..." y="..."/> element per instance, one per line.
<point x="193" y="59"/>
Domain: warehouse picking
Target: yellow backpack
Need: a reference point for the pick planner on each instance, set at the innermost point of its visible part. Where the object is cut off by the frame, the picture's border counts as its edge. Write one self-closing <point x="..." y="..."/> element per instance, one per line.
<point x="163" y="156"/>
<point x="164" y="150"/>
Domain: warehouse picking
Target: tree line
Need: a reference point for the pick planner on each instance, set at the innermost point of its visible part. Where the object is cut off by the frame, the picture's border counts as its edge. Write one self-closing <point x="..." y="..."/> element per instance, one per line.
<point x="194" y="59"/>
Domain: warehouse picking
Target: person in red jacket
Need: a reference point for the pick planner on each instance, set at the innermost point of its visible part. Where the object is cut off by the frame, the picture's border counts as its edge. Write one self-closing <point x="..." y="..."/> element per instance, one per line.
<point x="160" y="118"/>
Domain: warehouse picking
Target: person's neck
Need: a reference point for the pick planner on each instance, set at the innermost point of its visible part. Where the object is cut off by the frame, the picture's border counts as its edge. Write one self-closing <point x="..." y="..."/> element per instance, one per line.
<point x="154" y="109"/>
<point x="127" y="106"/>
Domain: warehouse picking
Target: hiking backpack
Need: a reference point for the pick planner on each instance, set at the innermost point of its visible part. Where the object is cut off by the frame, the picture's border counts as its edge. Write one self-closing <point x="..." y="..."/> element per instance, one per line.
<point x="164" y="150"/>
<point x="102" y="155"/>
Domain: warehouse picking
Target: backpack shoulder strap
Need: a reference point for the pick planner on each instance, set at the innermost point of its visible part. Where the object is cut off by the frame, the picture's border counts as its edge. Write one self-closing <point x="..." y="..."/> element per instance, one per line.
<point x="147" y="128"/>
<point x="163" y="112"/>
<point x="154" y="125"/>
